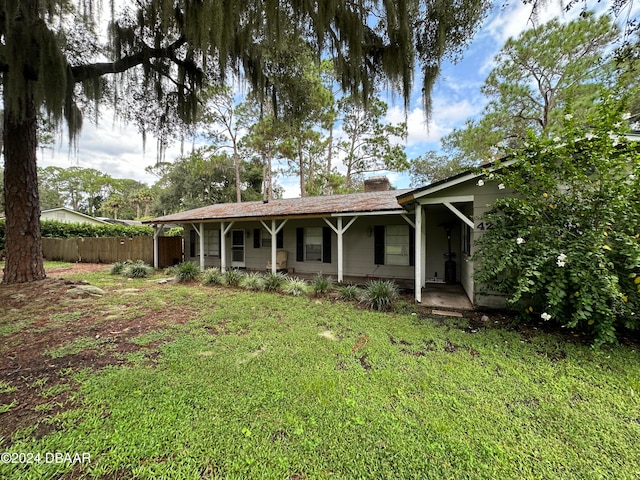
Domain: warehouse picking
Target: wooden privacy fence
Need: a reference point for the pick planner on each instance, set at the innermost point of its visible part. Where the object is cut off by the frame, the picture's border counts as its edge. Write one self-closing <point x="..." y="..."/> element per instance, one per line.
<point x="110" y="250"/>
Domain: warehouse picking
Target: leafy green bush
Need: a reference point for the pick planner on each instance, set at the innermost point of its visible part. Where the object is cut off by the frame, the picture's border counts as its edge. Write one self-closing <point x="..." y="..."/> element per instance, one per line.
<point x="213" y="276"/>
<point x="566" y="247"/>
<point x="137" y="269"/>
<point x="174" y="232"/>
<point x="321" y="284"/>
<point x="55" y="229"/>
<point x="295" y="287"/>
<point x="379" y="294"/>
<point x="273" y="281"/>
<point x="253" y="281"/>
<point x="233" y="277"/>
<point x="348" y="292"/>
<point x="187" y="272"/>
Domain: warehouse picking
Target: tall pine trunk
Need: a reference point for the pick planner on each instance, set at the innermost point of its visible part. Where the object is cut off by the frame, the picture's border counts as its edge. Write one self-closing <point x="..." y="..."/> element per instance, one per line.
<point x="22" y="203"/>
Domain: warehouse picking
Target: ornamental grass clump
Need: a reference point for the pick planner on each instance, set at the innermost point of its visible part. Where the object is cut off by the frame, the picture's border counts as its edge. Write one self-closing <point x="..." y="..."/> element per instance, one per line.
<point x="321" y="284"/>
<point x="233" y="277"/>
<point x="137" y="269"/>
<point x="273" y="281"/>
<point x="213" y="276"/>
<point x="565" y="248"/>
<point x="349" y="292"/>
<point x="295" y="287"/>
<point x="253" y="281"/>
<point x="116" y="268"/>
<point x="379" y="294"/>
<point x="187" y="272"/>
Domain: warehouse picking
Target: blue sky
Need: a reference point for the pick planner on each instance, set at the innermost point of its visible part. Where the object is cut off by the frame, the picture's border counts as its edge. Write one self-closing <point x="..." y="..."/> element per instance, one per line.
<point x="117" y="149"/>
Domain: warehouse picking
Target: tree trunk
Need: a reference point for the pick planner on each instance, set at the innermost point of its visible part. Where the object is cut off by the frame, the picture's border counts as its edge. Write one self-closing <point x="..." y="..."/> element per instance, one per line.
<point x="24" y="261"/>
<point x="303" y="185"/>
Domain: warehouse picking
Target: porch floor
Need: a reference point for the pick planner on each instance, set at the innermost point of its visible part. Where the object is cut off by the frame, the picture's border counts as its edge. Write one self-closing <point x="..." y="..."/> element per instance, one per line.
<point x="445" y="296"/>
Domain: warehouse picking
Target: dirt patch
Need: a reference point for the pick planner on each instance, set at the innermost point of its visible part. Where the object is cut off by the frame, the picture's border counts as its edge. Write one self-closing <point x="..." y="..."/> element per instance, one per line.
<point x="38" y="384"/>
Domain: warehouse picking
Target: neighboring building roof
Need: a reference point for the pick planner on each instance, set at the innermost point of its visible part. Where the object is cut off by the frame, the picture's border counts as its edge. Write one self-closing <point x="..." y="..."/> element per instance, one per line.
<point x="74" y="213"/>
<point x="291" y="207"/>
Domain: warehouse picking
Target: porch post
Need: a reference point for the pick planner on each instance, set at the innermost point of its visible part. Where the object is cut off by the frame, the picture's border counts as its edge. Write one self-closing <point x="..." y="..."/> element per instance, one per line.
<point x="340" y="251"/>
<point x="223" y="248"/>
<point x="156" y="255"/>
<point x="274" y="246"/>
<point x="418" y="254"/>
<point x="201" y="246"/>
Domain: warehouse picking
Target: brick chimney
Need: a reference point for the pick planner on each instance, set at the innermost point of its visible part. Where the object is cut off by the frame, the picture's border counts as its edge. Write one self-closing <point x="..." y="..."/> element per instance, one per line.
<point x="377" y="184"/>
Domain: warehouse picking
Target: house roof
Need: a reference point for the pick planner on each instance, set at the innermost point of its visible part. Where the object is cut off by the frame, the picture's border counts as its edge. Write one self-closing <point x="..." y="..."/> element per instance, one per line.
<point x="291" y="207"/>
<point x="73" y="212"/>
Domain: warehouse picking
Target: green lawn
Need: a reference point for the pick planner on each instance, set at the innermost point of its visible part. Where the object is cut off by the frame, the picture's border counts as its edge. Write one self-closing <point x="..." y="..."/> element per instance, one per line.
<point x="257" y="386"/>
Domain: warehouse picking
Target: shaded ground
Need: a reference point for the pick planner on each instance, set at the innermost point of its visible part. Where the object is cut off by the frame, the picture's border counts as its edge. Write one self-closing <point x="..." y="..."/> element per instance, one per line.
<point x="25" y="363"/>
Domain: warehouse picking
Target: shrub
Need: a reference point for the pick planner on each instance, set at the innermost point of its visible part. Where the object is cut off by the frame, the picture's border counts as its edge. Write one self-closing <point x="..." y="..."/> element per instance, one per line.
<point x="233" y="276"/>
<point x="137" y="269"/>
<point x="187" y="272"/>
<point x="253" y="281"/>
<point x="174" y="232"/>
<point x="116" y="268"/>
<point x="379" y="294"/>
<point x="321" y="284"/>
<point x="273" y="281"/>
<point x="566" y="248"/>
<point x="348" y="292"/>
<point x="295" y="287"/>
<point x="213" y="276"/>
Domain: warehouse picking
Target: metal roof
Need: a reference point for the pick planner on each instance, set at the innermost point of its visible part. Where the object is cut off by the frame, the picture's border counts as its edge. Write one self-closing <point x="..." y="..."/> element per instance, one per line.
<point x="291" y="207"/>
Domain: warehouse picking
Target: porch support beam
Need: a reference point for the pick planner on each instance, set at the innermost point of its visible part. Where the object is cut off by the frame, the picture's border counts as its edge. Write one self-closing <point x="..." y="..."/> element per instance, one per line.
<point x="200" y="232"/>
<point x="157" y="230"/>
<point x="418" y="253"/>
<point x="224" y="230"/>
<point x="408" y="220"/>
<point x="340" y="229"/>
<point x="273" y="231"/>
<point x="459" y="214"/>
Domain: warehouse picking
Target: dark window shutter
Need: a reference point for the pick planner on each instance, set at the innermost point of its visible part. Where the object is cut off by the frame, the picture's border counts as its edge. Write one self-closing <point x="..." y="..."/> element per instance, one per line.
<point x="378" y="245"/>
<point x="256" y="237"/>
<point x="219" y="243"/>
<point x="280" y="239"/>
<point x="326" y="245"/>
<point x="412" y="246"/>
<point x="299" y="244"/>
<point x="192" y="243"/>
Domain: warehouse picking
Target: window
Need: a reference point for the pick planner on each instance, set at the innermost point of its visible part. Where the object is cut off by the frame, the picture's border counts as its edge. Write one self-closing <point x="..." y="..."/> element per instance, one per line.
<point x="467" y="235"/>
<point x="211" y="243"/>
<point x="262" y="238"/>
<point x="313" y="244"/>
<point x="394" y="245"/>
<point x="396" y="249"/>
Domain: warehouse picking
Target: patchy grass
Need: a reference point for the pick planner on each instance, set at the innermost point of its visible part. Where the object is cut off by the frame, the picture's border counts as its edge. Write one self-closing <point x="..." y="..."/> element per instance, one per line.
<point x="214" y="382"/>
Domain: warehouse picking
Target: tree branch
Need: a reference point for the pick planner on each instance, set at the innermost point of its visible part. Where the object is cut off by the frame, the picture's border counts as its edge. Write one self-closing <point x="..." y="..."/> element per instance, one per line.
<point x="85" y="72"/>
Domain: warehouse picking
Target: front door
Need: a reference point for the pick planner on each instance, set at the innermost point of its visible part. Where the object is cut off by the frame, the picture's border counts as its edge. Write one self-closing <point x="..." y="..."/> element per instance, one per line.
<point x="237" y="248"/>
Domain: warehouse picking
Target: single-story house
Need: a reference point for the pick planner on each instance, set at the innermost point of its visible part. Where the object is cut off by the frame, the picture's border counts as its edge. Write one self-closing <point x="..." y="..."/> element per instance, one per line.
<point x="68" y="215"/>
<point x="414" y="236"/>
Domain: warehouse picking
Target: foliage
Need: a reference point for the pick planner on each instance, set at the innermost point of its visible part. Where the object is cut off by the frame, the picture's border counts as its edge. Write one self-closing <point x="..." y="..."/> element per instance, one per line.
<point x="174" y="232"/>
<point x="202" y="178"/>
<point x="430" y="168"/>
<point x="321" y="284"/>
<point x="567" y="247"/>
<point x="55" y="229"/>
<point x="296" y="287"/>
<point x="187" y="272"/>
<point x="253" y="281"/>
<point x="370" y="145"/>
<point x="273" y="281"/>
<point x="349" y="292"/>
<point x="379" y="294"/>
<point x="213" y="276"/>
<point x="233" y="277"/>
<point x="536" y="77"/>
<point x="116" y="268"/>
<point x="137" y="269"/>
